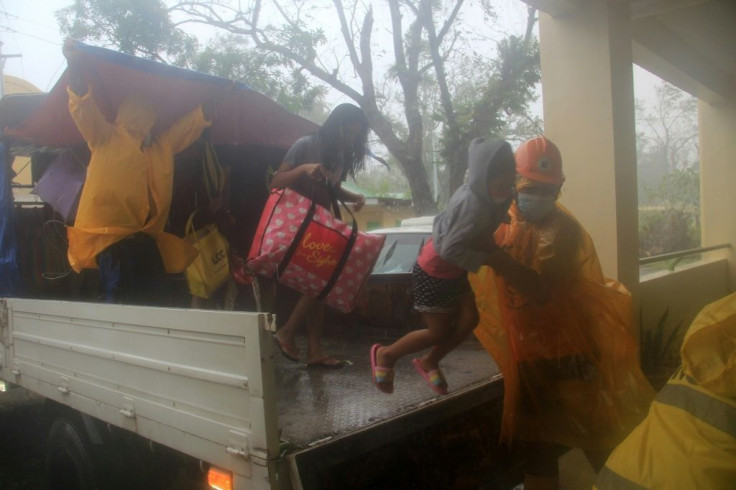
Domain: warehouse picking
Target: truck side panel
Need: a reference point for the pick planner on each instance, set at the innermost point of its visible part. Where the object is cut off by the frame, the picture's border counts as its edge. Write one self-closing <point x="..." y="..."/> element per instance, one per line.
<point x="200" y="382"/>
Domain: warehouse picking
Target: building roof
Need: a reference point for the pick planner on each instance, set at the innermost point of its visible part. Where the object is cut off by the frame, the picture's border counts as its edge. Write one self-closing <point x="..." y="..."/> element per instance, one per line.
<point x="15" y="85"/>
<point x="353" y="187"/>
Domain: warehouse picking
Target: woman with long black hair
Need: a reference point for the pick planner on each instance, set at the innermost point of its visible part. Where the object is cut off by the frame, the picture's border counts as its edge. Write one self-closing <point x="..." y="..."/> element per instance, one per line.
<point x="315" y="166"/>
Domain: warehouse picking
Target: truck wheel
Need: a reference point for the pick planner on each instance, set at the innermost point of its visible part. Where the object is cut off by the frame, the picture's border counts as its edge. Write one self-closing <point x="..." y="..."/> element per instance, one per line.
<point x="70" y="463"/>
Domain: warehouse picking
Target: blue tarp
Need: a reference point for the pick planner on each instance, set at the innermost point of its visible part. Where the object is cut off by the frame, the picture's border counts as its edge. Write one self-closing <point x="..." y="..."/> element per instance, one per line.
<point x="9" y="272"/>
<point x="244" y="116"/>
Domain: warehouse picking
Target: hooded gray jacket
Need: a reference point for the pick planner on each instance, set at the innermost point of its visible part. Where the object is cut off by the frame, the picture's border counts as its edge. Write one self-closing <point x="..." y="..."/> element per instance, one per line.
<point x="463" y="232"/>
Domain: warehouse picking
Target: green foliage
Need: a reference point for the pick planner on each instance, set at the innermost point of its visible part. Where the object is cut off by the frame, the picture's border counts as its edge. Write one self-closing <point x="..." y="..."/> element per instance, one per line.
<point x="384" y="182"/>
<point x="263" y="71"/>
<point x="669" y="179"/>
<point x="137" y="27"/>
<point x="671" y="221"/>
<point x="422" y="72"/>
<point x="656" y="344"/>
<point x="494" y="98"/>
<point x="144" y="28"/>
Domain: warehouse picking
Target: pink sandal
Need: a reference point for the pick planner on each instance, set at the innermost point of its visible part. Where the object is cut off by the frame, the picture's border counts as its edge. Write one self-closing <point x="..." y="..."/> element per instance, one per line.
<point x="434" y="378"/>
<point x="383" y="377"/>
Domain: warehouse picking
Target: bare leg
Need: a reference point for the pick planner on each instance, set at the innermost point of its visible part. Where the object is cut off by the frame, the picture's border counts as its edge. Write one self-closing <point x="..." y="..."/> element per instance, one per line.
<point x="315" y="318"/>
<point x="439" y="328"/>
<point x="467" y="320"/>
<point x="302" y="309"/>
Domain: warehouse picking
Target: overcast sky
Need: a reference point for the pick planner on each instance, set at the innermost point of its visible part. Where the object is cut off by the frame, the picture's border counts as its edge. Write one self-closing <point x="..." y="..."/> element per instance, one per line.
<point x="29" y="28"/>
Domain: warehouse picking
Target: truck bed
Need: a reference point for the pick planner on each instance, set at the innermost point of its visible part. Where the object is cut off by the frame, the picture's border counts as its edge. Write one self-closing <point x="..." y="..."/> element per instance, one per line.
<point x="345" y="433"/>
<point x="319" y="404"/>
<point x="211" y="385"/>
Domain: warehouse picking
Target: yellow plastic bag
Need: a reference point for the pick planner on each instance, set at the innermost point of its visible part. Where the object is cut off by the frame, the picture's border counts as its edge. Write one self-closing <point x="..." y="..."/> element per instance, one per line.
<point x="570" y="365"/>
<point x="210" y="269"/>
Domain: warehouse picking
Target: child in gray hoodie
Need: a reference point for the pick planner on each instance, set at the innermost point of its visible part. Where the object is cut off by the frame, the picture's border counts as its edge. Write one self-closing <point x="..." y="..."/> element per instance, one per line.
<point x="462" y="242"/>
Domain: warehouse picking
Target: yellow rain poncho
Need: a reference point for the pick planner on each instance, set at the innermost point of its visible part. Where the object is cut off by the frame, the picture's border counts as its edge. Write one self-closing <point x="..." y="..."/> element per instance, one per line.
<point x="570" y="365"/>
<point x="128" y="188"/>
<point x="688" y="440"/>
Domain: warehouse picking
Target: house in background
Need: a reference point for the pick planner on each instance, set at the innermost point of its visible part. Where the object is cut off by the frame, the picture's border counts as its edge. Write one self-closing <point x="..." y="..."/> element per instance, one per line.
<point x="380" y="211"/>
<point x="21" y="165"/>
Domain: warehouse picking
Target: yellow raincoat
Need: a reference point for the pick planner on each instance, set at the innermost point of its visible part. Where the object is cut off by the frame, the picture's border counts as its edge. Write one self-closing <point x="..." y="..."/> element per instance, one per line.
<point x="128" y="189"/>
<point x="688" y="440"/>
<point x="570" y="365"/>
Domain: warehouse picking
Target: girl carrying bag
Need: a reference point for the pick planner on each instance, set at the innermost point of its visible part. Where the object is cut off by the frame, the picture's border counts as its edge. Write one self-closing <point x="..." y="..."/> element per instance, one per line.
<point x="309" y="250"/>
<point x="210" y="269"/>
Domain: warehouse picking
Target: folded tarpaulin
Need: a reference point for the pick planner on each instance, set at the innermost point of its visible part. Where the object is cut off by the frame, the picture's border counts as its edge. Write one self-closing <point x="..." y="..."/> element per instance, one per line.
<point x="244" y="116"/>
<point x="9" y="273"/>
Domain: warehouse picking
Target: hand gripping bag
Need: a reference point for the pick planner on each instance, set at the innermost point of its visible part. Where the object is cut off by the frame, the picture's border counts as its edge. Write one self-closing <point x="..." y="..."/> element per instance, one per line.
<point x="309" y="250"/>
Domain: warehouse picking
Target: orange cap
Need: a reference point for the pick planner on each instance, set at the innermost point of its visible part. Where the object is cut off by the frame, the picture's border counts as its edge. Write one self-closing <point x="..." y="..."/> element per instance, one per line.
<point x="539" y="160"/>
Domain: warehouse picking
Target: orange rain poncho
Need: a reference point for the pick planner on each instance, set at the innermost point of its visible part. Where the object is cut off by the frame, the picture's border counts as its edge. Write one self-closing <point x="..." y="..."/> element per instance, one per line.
<point x="128" y="190"/>
<point x="570" y="365"/>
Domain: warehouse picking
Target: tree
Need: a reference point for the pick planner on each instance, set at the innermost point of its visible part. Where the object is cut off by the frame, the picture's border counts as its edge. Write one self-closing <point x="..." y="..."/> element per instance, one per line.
<point x="668" y="128"/>
<point x="667" y="152"/>
<point x="265" y="72"/>
<point x="672" y="223"/>
<point x="504" y="96"/>
<point x="145" y="28"/>
<point x="425" y="36"/>
<point x="383" y="182"/>
<point x="136" y="27"/>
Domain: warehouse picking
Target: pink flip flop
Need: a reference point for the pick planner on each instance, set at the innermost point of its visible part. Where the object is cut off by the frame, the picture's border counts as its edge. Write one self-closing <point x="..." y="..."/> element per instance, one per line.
<point x="383" y="377"/>
<point x="288" y="351"/>
<point x="434" y="378"/>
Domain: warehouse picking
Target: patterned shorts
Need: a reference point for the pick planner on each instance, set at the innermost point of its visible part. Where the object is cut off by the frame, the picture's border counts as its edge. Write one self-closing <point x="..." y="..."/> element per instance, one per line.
<point x="437" y="295"/>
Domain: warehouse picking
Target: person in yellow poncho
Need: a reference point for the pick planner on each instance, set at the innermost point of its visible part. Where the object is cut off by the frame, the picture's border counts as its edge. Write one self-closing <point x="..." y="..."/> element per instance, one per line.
<point x="570" y="362"/>
<point x="688" y="440"/>
<point x="124" y="205"/>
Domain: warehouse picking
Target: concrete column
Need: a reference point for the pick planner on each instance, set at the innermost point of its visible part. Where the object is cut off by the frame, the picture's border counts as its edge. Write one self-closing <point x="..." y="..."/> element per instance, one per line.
<point x="717" y="129"/>
<point x="588" y="95"/>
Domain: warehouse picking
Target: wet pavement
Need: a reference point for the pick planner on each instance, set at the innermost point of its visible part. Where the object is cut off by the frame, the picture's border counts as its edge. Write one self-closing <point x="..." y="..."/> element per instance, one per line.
<point x="317" y="403"/>
<point x="21" y="440"/>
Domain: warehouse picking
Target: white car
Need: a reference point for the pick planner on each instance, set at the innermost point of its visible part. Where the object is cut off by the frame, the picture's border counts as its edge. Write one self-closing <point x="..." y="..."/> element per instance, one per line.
<point x="402" y="245"/>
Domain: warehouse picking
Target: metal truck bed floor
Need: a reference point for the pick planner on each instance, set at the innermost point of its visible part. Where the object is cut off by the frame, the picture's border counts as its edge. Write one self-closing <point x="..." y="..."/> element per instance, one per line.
<point x="315" y="404"/>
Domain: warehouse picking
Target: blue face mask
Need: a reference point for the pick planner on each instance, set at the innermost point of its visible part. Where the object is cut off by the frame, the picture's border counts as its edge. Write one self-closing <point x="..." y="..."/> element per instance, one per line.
<point x="535" y="208"/>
